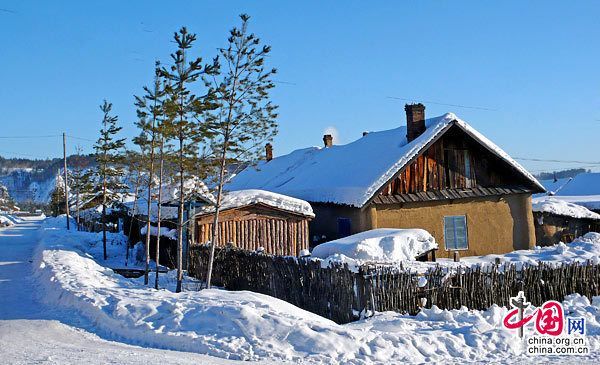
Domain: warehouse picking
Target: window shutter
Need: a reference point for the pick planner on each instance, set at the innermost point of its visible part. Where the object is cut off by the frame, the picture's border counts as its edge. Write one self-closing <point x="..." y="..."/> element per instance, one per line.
<point x="455" y="232"/>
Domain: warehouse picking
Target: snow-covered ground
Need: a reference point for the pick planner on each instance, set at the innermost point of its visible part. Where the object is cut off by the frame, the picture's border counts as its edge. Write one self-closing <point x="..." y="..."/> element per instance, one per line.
<point x="34" y="333"/>
<point x="251" y="326"/>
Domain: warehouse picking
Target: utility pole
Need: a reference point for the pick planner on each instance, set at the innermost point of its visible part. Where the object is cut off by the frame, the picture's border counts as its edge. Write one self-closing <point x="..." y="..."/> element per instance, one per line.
<point x="66" y="183"/>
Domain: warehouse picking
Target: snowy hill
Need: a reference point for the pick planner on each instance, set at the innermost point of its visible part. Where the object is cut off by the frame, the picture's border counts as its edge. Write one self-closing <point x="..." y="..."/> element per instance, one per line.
<point x="23" y="187"/>
<point x="33" y="180"/>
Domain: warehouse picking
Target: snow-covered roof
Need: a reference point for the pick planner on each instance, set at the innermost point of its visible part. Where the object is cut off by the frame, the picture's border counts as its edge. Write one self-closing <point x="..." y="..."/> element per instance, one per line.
<point x="383" y="245"/>
<point x="583" y="189"/>
<point x="353" y="173"/>
<point x="241" y="198"/>
<point x="548" y="204"/>
<point x="193" y="188"/>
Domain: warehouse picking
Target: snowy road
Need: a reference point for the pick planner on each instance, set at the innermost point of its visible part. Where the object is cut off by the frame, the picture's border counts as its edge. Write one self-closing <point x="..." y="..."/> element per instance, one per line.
<point x="31" y="333"/>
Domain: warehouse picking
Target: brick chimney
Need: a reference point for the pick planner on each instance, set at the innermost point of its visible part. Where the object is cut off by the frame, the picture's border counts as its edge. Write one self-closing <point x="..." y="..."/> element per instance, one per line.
<point x="268" y="152"/>
<point x="415" y="120"/>
<point x="328" y="140"/>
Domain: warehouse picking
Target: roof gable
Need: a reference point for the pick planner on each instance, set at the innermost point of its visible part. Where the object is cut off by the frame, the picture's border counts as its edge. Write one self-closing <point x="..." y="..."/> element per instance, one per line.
<point x="352" y="174"/>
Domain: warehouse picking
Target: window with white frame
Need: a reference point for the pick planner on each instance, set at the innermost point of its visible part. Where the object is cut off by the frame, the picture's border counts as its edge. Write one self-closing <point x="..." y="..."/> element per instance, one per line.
<point x="455" y="232"/>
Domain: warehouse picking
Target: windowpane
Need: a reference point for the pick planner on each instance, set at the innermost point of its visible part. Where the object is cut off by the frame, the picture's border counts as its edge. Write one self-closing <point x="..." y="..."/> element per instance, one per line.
<point x="455" y="232"/>
<point x="467" y="159"/>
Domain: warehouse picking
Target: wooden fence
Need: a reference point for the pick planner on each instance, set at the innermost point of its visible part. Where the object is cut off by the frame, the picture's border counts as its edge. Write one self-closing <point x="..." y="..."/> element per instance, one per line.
<point x="343" y="295"/>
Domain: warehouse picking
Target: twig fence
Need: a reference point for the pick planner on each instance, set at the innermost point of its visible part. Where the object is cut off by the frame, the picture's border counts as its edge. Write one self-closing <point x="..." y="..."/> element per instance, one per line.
<point x="344" y="295"/>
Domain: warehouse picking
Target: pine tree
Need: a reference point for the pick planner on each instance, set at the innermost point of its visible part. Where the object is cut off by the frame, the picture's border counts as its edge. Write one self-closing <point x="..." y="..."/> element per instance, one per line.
<point x="184" y="108"/>
<point x="150" y="112"/>
<point x="57" y="201"/>
<point x="245" y="117"/>
<point x="109" y="158"/>
<point x="81" y="182"/>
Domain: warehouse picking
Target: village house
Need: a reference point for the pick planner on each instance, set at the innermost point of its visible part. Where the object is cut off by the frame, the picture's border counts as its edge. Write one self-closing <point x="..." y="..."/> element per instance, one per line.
<point x="437" y="174"/>
<point x="558" y="220"/>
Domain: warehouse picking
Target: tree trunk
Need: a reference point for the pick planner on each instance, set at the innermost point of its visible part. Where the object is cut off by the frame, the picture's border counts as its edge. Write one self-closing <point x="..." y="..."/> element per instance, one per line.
<point x="215" y="230"/>
<point x="135" y="198"/>
<point x="180" y="217"/>
<point x="104" y="215"/>
<point x="77" y="206"/>
<point x="149" y="211"/>
<point x="160" y="180"/>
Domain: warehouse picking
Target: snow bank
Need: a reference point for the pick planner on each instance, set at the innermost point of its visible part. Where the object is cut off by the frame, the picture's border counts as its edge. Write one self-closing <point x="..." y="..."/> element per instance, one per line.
<point x="384" y="245"/>
<point x="240" y="198"/>
<point x="548" y="204"/>
<point x="90" y="243"/>
<point x="5" y="222"/>
<point x="250" y="326"/>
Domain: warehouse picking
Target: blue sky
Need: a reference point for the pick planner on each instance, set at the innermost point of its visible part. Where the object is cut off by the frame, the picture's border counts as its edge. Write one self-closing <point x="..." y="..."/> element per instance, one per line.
<point x="534" y="63"/>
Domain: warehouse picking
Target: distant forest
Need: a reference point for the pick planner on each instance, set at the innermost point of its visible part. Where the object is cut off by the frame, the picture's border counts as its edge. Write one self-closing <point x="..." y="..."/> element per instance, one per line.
<point x="560" y="174"/>
<point x="43" y="169"/>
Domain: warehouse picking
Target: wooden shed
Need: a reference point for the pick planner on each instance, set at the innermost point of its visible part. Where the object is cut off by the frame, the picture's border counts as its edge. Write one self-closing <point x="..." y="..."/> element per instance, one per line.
<point x="251" y="219"/>
<point x="561" y="221"/>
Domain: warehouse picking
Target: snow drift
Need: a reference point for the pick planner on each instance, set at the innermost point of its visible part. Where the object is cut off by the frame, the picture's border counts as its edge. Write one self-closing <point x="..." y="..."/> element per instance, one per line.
<point x="250" y="326"/>
<point x="383" y="245"/>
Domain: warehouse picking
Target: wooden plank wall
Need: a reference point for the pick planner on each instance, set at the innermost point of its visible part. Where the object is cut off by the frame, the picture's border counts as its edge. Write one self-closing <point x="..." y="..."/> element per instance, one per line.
<point x="442" y="166"/>
<point x="277" y="236"/>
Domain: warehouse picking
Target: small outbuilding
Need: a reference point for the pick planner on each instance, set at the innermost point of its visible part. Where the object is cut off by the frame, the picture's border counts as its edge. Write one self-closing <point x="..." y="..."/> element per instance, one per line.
<point x="557" y="220"/>
<point x="254" y="219"/>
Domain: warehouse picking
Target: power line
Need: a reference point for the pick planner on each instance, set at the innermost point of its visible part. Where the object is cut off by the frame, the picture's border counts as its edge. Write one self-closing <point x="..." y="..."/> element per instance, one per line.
<point x="557" y="161"/>
<point x="81" y="138"/>
<point x="30" y="137"/>
<point x="436" y="103"/>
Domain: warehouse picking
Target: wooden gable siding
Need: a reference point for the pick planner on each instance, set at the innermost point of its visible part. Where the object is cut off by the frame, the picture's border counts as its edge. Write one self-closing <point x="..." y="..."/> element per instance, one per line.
<point x="249" y="228"/>
<point x="455" y="161"/>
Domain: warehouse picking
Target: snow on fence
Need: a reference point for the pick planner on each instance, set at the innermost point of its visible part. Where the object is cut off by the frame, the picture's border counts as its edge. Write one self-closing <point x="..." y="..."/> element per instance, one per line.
<point x="344" y="295"/>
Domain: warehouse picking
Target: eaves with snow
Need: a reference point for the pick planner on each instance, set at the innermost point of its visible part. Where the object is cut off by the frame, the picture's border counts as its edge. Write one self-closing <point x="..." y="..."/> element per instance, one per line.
<point x="555" y="206"/>
<point x="352" y="174"/>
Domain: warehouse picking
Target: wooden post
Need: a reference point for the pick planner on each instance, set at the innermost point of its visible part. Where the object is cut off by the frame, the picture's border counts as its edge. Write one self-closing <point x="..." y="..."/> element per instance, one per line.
<point x="66" y="183"/>
<point x="456" y="256"/>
